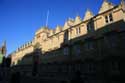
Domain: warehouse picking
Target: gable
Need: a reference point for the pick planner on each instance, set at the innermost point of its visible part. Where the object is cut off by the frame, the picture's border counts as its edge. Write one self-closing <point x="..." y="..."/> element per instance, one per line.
<point x="77" y="20"/>
<point x="88" y="15"/>
<point x="106" y="6"/>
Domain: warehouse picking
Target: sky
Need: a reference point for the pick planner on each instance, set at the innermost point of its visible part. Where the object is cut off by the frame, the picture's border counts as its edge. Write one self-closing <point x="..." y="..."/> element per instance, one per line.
<point x="20" y="19"/>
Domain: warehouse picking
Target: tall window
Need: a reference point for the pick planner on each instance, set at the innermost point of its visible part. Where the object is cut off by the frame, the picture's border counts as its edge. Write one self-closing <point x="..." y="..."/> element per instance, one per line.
<point x="78" y="30"/>
<point x="111" y="40"/>
<point x="77" y="50"/>
<point x="108" y="18"/>
<point x="66" y="36"/>
<point x="91" y="67"/>
<point x="122" y="38"/>
<point x="66" y="51"/>
<point x="115" y="66"/>
<point x="90" y="26"/>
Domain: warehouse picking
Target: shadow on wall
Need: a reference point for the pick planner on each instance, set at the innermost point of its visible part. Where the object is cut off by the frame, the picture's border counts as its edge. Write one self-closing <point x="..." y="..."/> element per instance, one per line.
<point x="98" y="55"/>
<point x="96" y="43"/>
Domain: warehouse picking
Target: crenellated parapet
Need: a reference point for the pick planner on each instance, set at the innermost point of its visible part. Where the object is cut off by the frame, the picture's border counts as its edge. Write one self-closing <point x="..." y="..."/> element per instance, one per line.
<point x="51" y="32"/>
<point x="123" y="5"/>
<point x="42" y="29"/>
<point x="68" y="24"/>
<point x="24" y="46"/>
<point x="58" y="29"/>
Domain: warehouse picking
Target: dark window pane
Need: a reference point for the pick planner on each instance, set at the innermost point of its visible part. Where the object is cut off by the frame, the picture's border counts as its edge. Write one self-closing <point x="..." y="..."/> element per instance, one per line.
<point x="66" y="36"/>
<point x="79" y="30"/>
<point x="110" y="17"/>
<point x="106" y="19"/>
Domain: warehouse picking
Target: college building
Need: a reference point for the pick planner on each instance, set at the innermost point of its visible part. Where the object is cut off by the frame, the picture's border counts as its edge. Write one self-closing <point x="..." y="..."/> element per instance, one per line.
<point x="94" y="45"/>
<point x="94" y="36"/>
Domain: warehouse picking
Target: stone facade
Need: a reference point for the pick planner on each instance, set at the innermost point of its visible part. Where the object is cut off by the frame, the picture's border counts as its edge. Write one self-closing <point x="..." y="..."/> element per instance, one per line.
<point x="55" y="44"/>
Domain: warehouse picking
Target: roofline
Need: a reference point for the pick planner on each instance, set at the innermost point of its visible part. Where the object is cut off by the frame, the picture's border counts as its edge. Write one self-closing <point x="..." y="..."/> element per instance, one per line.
<point x="85" y="20"/>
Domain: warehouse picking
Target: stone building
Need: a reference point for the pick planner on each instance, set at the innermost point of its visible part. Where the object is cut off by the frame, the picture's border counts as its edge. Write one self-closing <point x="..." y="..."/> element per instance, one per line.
<point x="93" y="45"/>
<point x="79" y="38"/>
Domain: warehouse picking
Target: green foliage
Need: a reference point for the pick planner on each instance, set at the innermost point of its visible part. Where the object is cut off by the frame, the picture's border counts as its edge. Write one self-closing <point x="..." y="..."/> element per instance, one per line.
<point x="1" y="57"/>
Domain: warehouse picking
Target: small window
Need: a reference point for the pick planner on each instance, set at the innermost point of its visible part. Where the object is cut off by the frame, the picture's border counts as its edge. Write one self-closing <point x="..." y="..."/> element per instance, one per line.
<point x="111" y="41"/>
<point x="66" y="36"/>
<point x="89" y="27"/>
<point x="108" y="18"/>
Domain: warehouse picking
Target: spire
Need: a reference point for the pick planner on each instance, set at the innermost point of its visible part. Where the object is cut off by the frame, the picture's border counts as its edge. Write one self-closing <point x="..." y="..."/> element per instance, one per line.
<point x="4" y="50"/>
<point x="65" y="25"/>
<point x="47" y="18"/>
<point x="123" y="4"/>
<point x="88" y="15"/>
<point x="105" y="0"/>
<point x="122" y="1"/>
<point x="106" y="5"/>
<point x="71" y="19"/>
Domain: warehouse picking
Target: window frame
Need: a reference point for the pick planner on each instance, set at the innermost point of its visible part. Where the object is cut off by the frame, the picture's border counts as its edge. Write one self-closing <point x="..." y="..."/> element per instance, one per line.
<point x="78" y="30"/>
<point x="109" y="18"/>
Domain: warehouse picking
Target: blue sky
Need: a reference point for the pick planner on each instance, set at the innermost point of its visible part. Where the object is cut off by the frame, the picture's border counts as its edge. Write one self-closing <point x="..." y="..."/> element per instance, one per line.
<point x="19" y="19"/>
